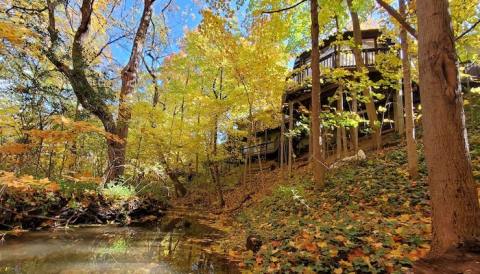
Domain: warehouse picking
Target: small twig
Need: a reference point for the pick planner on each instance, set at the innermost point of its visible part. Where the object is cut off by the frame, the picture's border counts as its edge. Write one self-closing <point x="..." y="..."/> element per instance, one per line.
<point x="108" y="44"/>
<point x="284" y="9"/>
<point x="468" y="30"/>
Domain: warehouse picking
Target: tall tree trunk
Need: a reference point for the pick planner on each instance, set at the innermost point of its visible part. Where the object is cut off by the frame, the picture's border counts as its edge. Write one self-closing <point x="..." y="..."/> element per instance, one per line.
<point x="316" y="157"/>
<point x="214" y="164"/>
<point x="341" y="137"/>
<point x="340" y="129"/>
<point x="214" y="170"/>
<point x="354" y="130"/>
<point x="407" y="93"/>
<point x="86" y="94"/>
<point x="129" y="79"/>
<point x="282" y="138"/>
<point x="290" y="138"/>
<point x="361" y="68"/>
<point x="454" y="199"/>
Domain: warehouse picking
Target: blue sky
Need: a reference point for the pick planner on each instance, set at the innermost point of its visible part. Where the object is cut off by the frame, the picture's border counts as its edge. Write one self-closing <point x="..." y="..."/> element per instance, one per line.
<point x="182" y="15"/>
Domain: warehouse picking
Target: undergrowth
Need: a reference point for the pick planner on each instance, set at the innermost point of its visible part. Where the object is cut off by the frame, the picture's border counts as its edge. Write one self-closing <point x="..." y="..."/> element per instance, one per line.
<point x="369" y="218"/>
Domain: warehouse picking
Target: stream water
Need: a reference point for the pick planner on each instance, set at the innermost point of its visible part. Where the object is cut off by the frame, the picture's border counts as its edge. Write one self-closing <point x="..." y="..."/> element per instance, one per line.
<point x="175" y="246"/>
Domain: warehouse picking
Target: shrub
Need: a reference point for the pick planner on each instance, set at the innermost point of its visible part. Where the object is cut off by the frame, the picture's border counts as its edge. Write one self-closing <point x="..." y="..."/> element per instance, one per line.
<point x="119" y="190"/>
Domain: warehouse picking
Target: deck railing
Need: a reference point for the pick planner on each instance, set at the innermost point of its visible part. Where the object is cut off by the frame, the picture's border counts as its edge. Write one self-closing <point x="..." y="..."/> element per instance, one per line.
<point x="260" y="149"/>
<point x="346" y="60"/>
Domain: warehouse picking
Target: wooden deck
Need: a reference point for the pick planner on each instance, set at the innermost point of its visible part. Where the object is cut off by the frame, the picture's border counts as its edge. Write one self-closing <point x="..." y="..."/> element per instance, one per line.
<point x="345" y="58"/>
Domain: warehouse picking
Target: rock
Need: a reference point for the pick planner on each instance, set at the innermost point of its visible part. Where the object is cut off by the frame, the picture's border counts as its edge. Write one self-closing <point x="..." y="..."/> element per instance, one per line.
<point x="361" y="155"/>
<point x="253" y="243"/>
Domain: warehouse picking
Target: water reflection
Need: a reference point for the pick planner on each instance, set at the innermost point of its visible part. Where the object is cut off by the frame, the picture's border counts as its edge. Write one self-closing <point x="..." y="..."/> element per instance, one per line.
<point x="177" y="246"/>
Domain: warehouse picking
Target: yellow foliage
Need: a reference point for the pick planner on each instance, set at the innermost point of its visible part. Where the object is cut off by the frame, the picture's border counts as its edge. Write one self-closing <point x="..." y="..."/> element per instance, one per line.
<point x="26" y="182"/>
<point x="71" y="129"/>
<point x="12" y="33"/>
<point x="14" y="148"/>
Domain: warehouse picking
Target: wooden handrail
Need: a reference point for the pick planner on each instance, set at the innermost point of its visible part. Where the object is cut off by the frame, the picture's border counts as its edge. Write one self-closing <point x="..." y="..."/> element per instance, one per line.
<point x="337" y="53"/>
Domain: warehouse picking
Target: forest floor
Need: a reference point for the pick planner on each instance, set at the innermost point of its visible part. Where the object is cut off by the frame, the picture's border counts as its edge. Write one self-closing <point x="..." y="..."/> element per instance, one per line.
<point x="369" y="218"/>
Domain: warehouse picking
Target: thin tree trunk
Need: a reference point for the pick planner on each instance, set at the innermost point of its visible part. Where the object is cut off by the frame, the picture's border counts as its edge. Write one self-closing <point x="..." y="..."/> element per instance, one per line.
<point x="354" y="131"/>
<point x="214" y="165"/>
<point x="340" y="129"/>
<point x="399" y="115"/>
<point x="129" y="78"/>
<point x="196" y="153"/>
<point x="316" y="159"/>
<point x="290" y="138"/>
<point x="407" y="93"/>
<point x="454" y="199"/>
<point x="282" y="139"/>
<point x="361" y="68"/>
<point x="50" y="163"/>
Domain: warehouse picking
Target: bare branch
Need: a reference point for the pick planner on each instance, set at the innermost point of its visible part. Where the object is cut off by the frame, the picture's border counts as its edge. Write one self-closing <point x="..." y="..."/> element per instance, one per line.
<point x="400" y="19"/>
<point x="108" y="44"/>
<point x="284" y="9"/>
<point x="468" y="30"/>
<point x="24" y="9"/>
<point x="166" y="6"/>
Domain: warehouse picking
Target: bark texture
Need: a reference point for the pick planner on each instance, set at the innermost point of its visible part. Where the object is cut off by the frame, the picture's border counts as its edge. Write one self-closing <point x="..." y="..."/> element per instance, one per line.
<point x="316" y="157"/>
<point x="455" y="206"/>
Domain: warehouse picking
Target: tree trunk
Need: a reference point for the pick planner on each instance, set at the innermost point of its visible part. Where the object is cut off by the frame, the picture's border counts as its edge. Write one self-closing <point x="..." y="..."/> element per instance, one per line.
<point x="129" y="79"/>
<point x="86" y="94"/>
<point x="316" y="157"/>
<point x="340" y="129"/>
<point x="290" y="138"/>
<point x="282" y="138"/>
<point x="354" y="130"/>
<point x="341" y="137"/>
<point x="407" y="93"/>
<point x="361" y="68"/>
<point x="399" y="115"/>
<point x="454" y="199"/>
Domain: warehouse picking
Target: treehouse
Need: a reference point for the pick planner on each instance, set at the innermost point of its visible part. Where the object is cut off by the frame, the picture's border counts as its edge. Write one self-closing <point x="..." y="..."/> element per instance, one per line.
<point x="297" y="98"/>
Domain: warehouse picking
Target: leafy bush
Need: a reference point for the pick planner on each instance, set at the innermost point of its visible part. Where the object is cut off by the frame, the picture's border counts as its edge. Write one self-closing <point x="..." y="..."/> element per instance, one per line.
<point x="119" y="190"/>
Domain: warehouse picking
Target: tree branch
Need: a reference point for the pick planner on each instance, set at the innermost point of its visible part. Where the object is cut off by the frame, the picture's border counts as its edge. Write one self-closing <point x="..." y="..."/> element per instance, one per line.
<point x="166" y="6"/>
<point x="108" y="44"/>
<point x="398" y="17"/>
<point x="24" y="9"/>
<point x="284" y="9"/>
<point x="468" y="30"/>
<point x="54" y="40"/>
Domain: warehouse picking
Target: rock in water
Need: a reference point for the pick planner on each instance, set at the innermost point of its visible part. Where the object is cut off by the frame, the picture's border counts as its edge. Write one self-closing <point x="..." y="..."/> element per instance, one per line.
<point x="253" y="243"/>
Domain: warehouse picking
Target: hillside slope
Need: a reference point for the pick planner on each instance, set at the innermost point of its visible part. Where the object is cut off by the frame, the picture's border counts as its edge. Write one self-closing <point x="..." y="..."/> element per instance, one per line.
<point x="370" y="218"/>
